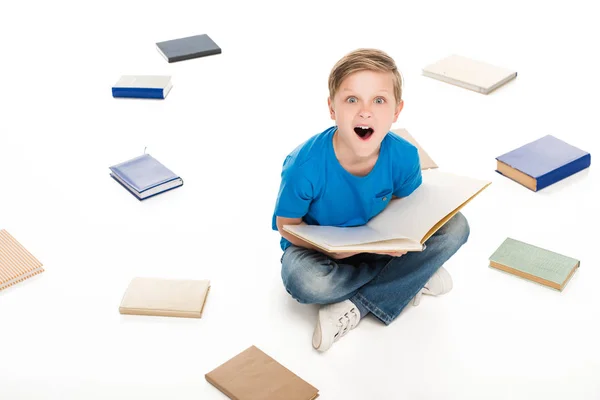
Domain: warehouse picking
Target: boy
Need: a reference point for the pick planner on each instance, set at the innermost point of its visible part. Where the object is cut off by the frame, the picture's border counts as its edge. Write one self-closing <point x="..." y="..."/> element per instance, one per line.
<point x="345" y="176"/>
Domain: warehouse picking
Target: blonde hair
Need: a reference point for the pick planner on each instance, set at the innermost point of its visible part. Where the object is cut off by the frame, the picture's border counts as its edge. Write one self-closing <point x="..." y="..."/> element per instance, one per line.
<point x="364" y="60"/>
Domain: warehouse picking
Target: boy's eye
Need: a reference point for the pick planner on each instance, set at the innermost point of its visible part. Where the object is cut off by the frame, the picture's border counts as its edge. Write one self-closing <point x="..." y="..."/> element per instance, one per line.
<point x="351" y="100"/>
<point x="379" y="100"/>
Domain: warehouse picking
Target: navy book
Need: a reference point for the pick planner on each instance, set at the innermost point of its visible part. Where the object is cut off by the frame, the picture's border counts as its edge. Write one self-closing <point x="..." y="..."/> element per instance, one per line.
<point x="144" y="177"/>
<point x="187" y="48"/>
<point x="142" y="86"/>
<point x="542" y="162"/>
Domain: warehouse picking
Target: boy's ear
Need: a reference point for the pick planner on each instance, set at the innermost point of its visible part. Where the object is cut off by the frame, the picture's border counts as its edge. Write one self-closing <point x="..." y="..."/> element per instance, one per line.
<point x="398" y="109"/>
<point x="331" y="110"/>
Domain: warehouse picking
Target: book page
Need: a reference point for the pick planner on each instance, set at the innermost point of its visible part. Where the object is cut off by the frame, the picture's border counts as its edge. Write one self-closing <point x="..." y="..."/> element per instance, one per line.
<point x="413" y="216"/>
<point x="382" y="246"/>
<point x="332" y="236"/>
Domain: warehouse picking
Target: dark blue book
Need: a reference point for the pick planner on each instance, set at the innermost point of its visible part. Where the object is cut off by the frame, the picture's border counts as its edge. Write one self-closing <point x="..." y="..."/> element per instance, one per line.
<point x="143" y="86"/>
<point x="187" y="48"/>
<point x="542" y="163"/>
<point x="144" y="177"/>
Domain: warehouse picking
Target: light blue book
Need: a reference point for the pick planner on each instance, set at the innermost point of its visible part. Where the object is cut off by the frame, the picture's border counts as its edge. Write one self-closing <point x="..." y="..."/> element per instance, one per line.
<point x="144" y="176"/>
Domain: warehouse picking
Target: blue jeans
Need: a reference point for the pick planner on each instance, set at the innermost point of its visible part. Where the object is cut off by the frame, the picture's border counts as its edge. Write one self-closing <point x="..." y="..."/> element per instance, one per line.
<point x="384" y="285"/>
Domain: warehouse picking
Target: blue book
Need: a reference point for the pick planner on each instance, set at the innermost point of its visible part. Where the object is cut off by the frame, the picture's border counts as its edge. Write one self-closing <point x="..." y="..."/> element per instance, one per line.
<point x="187" y="48"/>
<point x="142" y="86"/>
<point x="542" y="163"/>
<point x="145" y="177"/>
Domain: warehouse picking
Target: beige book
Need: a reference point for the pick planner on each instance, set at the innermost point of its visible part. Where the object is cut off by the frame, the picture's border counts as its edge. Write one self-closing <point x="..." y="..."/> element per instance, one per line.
<point x="16" y="263"/>
<point x="469" y="74"/>
<point x="253" y="375"/>
<point x="404" y="224"/>
<point x="165" y="297"/>
<point x="426" y="161"/>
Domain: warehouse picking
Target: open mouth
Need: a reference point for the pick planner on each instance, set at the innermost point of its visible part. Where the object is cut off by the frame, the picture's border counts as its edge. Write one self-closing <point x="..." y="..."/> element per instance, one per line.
<point x="363" y="131"/>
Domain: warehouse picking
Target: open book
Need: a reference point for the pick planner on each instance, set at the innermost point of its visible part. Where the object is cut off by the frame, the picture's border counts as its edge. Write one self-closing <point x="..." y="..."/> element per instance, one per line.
<point x="405" y="224"/>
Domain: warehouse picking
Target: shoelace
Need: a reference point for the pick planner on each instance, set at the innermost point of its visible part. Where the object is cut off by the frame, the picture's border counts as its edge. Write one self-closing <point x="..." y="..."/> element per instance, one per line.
<point x="417" y="299"/>
<point x="346" y="323"/>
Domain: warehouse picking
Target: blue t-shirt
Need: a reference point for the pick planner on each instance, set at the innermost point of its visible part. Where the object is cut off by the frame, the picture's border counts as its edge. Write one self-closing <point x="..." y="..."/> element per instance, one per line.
<point x="315" y="186"/>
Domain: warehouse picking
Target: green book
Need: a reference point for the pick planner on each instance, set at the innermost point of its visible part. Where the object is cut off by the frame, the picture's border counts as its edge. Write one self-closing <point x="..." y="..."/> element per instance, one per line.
<point x="534" y="263"/>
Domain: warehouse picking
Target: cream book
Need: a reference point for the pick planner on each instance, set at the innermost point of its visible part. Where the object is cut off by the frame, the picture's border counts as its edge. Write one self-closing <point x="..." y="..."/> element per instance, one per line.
<point x="16" y="263"/>
<point x="165" y="297"/>
<point x="426" y="161"/>
<point x="470" y="74"/>
<point x="405" y="224"/>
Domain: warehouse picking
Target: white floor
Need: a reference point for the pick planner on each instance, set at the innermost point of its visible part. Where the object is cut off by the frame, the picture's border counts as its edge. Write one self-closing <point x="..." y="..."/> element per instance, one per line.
<point x="225" y="128"/>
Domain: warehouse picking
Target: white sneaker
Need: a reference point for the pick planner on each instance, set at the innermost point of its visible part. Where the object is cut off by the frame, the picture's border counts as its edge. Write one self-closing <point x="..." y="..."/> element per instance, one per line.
<point x="440" y="283"/>
<point x="335" y="320"/>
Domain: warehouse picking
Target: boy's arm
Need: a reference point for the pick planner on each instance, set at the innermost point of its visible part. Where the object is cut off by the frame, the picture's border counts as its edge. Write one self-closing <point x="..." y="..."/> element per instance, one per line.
<point x="281" y="221"/>
<point x="409" y="177"/>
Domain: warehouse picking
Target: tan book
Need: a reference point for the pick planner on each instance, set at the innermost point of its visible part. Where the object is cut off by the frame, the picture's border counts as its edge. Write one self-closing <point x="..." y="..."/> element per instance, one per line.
<point x="165" y="297"/>
<point x="470" y="74"/>
<point x="426" y="161"/>
<point x="16" y="263"/>
<point x="253" y="375"/>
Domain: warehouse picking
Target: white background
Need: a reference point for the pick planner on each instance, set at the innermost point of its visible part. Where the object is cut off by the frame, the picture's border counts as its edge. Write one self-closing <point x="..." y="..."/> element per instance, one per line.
<point x="226" y="128"/>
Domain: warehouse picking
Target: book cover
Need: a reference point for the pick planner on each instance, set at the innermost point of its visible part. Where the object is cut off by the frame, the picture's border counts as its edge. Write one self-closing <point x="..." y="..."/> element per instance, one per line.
<point x="534" y="263"/>
<point x="543" y="162"/>
<point x="142" y="87"/>
<point x="144" y="176"/>
<point x="188" y="48"/>
<point x="405" y="224"/>
<point x="426" y="161"/>
<point x="165" y="297"/>
<point x="470" y="74"/>
<point x="16" y="262"/>
<point x="253" y="375"/>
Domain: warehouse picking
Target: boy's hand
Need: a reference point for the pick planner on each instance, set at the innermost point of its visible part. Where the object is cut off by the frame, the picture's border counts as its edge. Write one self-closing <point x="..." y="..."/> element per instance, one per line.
<point x="392" y="253"/>
<point x="339" y="256"/>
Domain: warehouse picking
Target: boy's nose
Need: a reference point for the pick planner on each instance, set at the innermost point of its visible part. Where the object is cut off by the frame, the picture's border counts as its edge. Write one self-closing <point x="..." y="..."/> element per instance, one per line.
<point x="365" y="113"/>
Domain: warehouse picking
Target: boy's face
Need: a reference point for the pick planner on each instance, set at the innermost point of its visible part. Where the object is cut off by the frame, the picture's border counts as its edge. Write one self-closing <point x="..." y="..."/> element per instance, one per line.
<point x="364" y="109"/>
